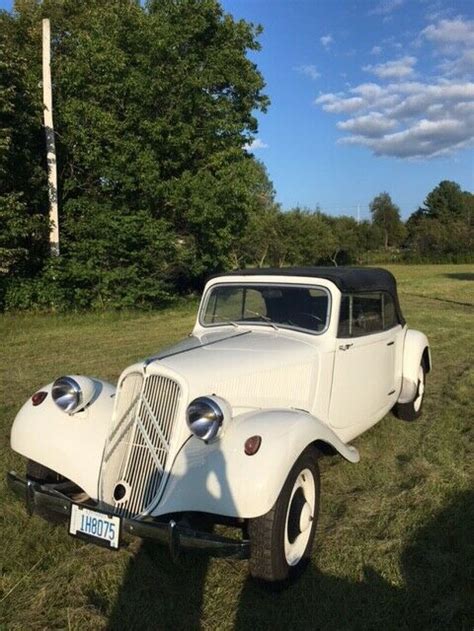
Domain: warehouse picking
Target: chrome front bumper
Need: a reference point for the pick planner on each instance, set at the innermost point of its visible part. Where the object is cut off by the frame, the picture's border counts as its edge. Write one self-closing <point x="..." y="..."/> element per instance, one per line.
<point x="48" y="499"/>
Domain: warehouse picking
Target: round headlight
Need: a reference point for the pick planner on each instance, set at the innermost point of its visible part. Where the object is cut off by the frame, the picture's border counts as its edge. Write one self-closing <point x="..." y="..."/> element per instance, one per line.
<point x="205" y="416"/>
<point x="67" y="394"/>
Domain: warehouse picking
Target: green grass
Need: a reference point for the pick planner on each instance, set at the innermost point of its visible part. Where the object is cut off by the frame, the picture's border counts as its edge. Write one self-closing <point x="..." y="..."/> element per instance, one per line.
<point x="394" y="543"/>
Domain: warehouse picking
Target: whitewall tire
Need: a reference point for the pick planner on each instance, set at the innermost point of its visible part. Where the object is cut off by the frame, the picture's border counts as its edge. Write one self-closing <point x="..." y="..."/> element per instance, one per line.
<point x="281" y="540"/>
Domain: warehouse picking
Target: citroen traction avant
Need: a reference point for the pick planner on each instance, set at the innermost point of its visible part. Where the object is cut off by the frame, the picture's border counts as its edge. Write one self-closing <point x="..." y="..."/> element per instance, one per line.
<point x="214" y="443"/>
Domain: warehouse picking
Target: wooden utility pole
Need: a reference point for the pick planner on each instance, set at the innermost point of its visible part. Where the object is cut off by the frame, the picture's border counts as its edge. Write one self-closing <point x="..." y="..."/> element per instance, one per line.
<point x="50" y="143"/>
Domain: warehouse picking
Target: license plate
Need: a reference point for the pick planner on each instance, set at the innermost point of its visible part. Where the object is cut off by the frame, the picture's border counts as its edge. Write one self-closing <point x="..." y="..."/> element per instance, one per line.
<point x="91" y="524"/>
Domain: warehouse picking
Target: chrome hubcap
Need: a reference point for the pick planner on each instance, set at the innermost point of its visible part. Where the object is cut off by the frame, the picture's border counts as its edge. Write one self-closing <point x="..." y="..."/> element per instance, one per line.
<point x="420" y="390"/>
<point x="306" y="517"/>
<point x="299" y="517"/>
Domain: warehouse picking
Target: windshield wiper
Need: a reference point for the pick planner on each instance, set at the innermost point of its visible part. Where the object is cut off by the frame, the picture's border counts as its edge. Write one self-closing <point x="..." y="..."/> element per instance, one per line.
<point x="265" y="318"/>
<point x="224" y="319"/>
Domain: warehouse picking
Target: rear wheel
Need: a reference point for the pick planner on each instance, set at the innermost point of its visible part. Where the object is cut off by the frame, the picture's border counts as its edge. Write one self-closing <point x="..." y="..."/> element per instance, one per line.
<point x="412" y="410"/>
<point x="282" y="539"/>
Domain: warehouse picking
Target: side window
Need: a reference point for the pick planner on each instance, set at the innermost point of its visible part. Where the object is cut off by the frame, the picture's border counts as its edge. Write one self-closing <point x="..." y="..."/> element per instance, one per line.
<point x="390" y="318"/>
<point x="365" y="313"/>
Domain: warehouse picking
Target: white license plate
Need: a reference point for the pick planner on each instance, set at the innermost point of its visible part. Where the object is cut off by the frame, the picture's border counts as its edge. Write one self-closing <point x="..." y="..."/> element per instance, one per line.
<point x="100" y="527"/>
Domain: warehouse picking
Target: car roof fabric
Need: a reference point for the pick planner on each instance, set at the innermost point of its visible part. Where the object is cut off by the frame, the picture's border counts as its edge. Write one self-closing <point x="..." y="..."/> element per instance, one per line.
<point x="346" y="279"/>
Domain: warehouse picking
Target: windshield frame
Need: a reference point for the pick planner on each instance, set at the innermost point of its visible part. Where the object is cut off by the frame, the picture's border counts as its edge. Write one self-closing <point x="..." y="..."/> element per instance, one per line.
<point x="273" y="325"/>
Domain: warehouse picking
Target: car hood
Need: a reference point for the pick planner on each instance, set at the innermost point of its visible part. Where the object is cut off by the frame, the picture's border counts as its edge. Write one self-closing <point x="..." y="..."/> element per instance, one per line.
<point x="249" y="368"/>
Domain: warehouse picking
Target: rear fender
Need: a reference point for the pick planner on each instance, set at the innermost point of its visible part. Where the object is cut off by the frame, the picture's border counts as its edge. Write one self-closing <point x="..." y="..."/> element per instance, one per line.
<point x="220" y="478"/>
<point x="71" y="445"/>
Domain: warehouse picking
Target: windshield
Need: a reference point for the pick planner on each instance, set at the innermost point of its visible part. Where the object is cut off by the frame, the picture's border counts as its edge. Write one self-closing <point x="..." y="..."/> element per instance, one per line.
<point x="289" y="306"/>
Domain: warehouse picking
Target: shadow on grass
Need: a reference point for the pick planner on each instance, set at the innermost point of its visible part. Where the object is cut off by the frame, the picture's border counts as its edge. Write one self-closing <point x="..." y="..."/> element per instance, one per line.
<point x="437" y="566"/>
<point x="159" y="594"/>
<point x="461" y="275"/>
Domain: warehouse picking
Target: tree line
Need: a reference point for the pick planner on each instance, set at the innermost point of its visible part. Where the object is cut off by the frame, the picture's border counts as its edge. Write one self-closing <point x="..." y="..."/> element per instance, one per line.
<point x="154" y="106"/>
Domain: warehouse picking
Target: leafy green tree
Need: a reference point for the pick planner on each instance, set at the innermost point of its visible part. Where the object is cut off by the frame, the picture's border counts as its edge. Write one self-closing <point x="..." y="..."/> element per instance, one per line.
<point x="386" y="218"/>
<point x="261" y="235"/>
<point x="442" y="230"/>
<point x="23" y="222"/>
<point x="303" y="237"/>
<point x="446" y="201"/>
<point x="346" y="240"/>
<point x="154" y="106"/>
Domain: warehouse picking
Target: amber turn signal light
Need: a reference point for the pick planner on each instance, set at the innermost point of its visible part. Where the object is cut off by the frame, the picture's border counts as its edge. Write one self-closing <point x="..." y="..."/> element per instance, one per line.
<point x="252" y="445"/>
<point x="38" y="397"/>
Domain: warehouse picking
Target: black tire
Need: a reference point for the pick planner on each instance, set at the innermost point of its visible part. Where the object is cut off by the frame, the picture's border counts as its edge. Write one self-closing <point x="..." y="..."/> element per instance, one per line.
<point x="413" y="409"/>
<point x="269" y="533"/>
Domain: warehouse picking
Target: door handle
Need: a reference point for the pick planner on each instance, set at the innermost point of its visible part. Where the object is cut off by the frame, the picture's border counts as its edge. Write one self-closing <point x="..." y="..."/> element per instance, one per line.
<point x="391" y="343"/>
<point x="345" y="347"/>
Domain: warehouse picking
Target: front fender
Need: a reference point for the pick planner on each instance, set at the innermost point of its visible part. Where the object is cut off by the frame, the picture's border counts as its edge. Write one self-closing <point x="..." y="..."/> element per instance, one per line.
<point x="70" y="445"/>
<point x="415" y="349"/>
<point x="220" y="478"/>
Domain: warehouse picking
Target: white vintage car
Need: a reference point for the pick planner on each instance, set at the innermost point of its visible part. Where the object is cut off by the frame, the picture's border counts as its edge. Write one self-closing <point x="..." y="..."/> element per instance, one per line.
<point x="226" y="427"/>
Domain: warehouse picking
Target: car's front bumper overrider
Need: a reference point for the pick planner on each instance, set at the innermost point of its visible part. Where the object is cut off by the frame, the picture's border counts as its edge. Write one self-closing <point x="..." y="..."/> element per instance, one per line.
<point x="45" y="498"/>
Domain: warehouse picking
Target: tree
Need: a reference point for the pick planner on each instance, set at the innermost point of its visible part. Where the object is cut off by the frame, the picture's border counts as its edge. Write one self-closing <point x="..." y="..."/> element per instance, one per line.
<point x="446" y="201"/>
<point x="303" y="237"/>
<point x="154" y="105"/>
<point x="346" y="240"/>
<point x="23" y="220"/>
<point x="442" y="229"/>
<point x="386" y="217"/>
<point x="259" y="239"/>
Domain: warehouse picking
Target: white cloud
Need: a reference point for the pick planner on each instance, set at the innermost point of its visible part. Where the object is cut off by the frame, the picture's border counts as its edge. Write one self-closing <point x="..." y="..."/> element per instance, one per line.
<point x="449" y="32"/>
<point x="426" y="96"/>
<point x="371" y="125"/>
<point x="385" y="7"/>
<point x="337" y="104"/>
<point x="397" y="116"/>
<point x="407" y="119"/>
<point x="326" y="40"/>
<point x="423" y="139"/>
<point x="309" y="70"/>
<point x="453" y="38"/>
<point x="395" y="69"/>
<point x="257" y="143"/>
<point x="436" y="10"/>
<point x="369" y="91"/>
<point x="376" y="50"/>
<point x="460" y="66"/>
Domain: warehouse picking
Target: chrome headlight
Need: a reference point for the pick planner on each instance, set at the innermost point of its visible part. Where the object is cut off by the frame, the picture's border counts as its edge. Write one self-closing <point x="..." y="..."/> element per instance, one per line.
<point x="205" y="416"/>
<point x="67" y="394"/>
<point x="72" y="394"/>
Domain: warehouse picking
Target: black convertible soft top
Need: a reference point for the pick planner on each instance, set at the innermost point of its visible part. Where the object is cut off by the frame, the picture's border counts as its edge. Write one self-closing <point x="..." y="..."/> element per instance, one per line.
<point x="347" y="279"/>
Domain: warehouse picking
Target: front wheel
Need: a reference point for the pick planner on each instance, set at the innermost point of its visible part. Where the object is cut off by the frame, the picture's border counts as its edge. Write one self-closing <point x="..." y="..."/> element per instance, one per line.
<point x="282" y="539"/>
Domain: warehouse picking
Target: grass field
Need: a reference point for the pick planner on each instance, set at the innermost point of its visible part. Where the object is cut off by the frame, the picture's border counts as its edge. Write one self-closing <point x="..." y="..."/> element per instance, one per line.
<point x="394" y="544"/>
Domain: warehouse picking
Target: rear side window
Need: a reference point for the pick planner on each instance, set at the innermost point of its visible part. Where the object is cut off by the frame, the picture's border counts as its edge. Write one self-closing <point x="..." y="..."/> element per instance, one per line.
<point x="366" y="313"/>
<point x="390" y="318"/>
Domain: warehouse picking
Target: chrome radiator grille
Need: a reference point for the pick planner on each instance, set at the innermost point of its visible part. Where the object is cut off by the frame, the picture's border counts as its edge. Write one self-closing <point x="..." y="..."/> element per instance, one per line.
<point x="136" y="453"/>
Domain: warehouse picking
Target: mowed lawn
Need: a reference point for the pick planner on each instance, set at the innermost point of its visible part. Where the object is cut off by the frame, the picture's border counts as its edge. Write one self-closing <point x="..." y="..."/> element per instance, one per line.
<point x="394" y="545"/>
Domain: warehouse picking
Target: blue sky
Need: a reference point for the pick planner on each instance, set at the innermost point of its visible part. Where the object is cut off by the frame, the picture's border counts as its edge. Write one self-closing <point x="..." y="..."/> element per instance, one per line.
<point x="367" y="96"/>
